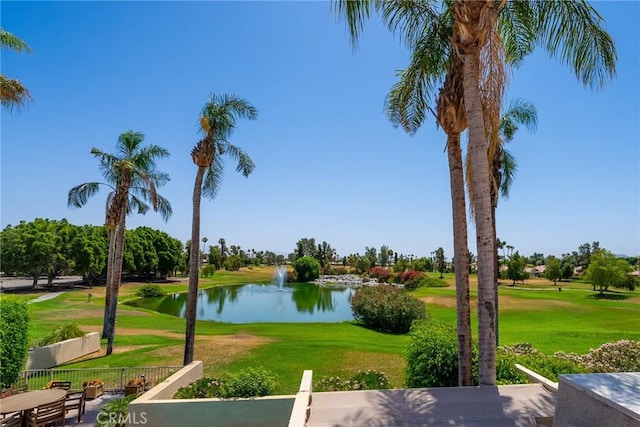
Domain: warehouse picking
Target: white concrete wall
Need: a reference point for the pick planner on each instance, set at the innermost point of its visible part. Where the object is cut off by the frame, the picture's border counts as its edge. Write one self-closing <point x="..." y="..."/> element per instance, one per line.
<point x="158" y="408"/>
<point x="61" y="352"/>
<point x="597" y="400"/>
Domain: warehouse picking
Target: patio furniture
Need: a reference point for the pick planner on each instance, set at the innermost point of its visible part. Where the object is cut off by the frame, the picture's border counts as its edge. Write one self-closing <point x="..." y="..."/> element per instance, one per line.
<point x="64" y="385"/>
<point x="47" y="413"/>
<point x="27" y="401"/>
<point x="13" y="419"/>
<point x="76" y="400"/>
<point x="15" y="389"/>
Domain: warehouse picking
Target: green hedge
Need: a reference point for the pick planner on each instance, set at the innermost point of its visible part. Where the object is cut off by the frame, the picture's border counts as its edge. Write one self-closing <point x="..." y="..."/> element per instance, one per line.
<point x="14" y="338"/>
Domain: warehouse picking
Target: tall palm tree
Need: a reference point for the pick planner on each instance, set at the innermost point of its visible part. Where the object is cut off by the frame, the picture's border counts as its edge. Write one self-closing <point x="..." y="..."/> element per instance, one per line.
<point x="481" y="30"/>
<point x="570" y="30"/>
<point x="217" y="122"/>
<point x="133" y="181"/>
<point x="13" y="95"/>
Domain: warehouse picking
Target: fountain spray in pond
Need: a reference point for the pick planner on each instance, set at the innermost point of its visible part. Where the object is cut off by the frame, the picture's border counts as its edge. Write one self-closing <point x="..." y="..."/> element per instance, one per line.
<point x="281" y="275"/>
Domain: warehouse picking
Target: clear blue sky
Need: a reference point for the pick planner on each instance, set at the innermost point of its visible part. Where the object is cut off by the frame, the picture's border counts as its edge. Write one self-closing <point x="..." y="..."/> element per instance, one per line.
<point x="329" y="163"/>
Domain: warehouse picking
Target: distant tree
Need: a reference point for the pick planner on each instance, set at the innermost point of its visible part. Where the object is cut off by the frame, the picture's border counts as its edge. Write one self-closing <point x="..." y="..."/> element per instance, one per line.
<point x="363" y="264"/>
<point x="536" y="259"/>
<point x="516" y="268"/>
<point x="324" y="254"/>
<point x="233" y="263"/>
<point x="372" y="254"/>
<point x="384" y="255"/>
<point x="553" y="269"/>
<point x="224" y="251"/>
<point x="307" y="268"/>
<point x="440" y="261"/>
<point x="215" y="258"/>
<point x="306" y="247"/>
<point x="605" y="270"/>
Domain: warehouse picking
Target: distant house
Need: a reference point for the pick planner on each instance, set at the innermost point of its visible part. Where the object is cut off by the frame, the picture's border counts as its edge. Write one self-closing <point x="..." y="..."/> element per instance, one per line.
<point x="536" y="271"/>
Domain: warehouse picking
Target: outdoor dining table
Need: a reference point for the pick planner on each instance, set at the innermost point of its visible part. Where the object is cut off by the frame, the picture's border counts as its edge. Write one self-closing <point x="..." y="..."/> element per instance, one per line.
<point x="30" y="400"/>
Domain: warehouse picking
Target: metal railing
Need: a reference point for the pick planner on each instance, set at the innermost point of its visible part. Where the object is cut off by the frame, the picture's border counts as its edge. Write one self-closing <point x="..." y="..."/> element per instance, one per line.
<point x="114" y="379"/>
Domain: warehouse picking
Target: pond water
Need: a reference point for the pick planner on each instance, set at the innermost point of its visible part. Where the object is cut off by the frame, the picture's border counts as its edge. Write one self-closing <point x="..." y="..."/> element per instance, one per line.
<point x="253" y="303"/>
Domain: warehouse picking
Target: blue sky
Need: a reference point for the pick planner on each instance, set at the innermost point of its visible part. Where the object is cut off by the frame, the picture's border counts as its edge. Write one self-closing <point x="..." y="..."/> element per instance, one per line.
<point x="329" y="165"/>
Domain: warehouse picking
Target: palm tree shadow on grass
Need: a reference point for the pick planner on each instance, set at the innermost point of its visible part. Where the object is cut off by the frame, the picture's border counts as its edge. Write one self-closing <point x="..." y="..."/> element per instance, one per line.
<point x="609" y="296"/>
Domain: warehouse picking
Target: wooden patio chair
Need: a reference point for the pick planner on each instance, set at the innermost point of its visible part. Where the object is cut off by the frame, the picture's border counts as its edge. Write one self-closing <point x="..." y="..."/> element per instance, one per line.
<point x="14" y="419"/>
<point x="65" y="385"/>
<point x="46" y="414"/>
<point x="14" y="389"/>
<point x="76" y="400"/>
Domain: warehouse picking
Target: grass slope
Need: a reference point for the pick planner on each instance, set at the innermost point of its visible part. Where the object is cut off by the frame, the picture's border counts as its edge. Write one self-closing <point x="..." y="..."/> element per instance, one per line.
<point x="571" y="320"/>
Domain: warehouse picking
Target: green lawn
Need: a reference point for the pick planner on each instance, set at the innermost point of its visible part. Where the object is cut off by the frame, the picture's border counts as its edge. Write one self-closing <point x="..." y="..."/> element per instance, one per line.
<point x="571" y="321"/>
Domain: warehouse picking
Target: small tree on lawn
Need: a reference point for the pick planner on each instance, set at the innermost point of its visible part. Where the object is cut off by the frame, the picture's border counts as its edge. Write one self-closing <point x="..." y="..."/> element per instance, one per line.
<point x="515" y="268"/>
<point x="553" y="269"/>
<point x="606" y="270"/>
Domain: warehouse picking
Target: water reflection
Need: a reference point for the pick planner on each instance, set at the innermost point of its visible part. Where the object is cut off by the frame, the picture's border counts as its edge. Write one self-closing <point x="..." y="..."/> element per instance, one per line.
<point x="299" y="302"/>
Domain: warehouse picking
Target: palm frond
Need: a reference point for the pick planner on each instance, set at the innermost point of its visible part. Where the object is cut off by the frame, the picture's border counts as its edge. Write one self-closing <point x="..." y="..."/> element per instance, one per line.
<point x="13" y="95"/>
<point x="509" y="167"/>
<point x="355" y="13"/>
<point x="221" y="113"/>
<point x="572" y="32"/>
<point x="213" y="178"/>
<point x="137" y="204"/>
<point x="9" y="41"/>
<point x="79" y="195"/>
<point x="519" y="112"/>
<point x="516" y="25"/>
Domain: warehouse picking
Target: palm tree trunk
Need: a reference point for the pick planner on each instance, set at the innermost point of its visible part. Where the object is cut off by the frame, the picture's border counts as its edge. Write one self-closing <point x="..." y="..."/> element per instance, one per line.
<point x="109" y="282"/>
<point x="481" y="196"/>
<point x="496" y="268"/>
<point x="461" y="259"/>
<point x="192" y="296"/>
<point x="117" y="275"/>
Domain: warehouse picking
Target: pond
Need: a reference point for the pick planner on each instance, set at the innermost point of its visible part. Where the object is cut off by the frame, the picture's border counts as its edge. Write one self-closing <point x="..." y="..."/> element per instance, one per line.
<point x="253" y="303"/>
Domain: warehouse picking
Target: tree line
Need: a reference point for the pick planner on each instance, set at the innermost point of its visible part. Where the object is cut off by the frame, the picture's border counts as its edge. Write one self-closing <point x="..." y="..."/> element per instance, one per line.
<point x="52" y="248"/>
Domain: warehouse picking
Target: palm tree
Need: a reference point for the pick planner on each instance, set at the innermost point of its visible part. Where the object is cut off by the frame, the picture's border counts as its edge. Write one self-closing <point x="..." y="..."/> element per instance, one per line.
<point x="132" y="180"/>
<point x="217" y="122"/>
<point x="12" y="93"/>
<point x="568" y="29"/>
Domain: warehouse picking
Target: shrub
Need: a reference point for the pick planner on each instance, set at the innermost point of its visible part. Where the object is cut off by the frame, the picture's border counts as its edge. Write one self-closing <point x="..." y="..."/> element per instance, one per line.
<point x="250" y="382"/>
<point x="150" y="291"/>
<point x="361" y="380"/>
<point x="386" y="308"/>
<point x="14" y="338"/>
<point x="382" y="274"/>
<point x="410" y="279"/>
<point x="432" y="356"/>
<point x="432" y="282"/>
<point x="208" y="271"/>
<point x="201" y="388"/>
<point x="64" y="332"/>
<point x="307" y="268"/>
<point x="115" y="412"/>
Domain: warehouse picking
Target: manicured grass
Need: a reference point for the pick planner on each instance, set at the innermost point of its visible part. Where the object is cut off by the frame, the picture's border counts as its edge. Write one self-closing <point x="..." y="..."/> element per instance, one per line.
<point x="571" y="320"/>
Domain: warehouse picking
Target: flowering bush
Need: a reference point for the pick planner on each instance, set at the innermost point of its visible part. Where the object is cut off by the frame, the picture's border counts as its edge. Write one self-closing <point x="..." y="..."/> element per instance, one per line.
<point x="620" y="356"/>
<point x="92" y="382"/>
<point x="410" y="279"/>
<point x="361" y="380"/>
<point x="382" y="274"/>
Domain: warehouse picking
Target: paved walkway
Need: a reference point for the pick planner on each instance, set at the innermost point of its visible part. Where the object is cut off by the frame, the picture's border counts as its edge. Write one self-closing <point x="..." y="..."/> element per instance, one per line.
<point x="512" y="406"/>
<point x="92" y="409"/>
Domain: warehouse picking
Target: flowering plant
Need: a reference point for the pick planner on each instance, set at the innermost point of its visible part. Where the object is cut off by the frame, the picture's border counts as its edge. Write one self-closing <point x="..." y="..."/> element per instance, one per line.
<point x="93" y="382"/>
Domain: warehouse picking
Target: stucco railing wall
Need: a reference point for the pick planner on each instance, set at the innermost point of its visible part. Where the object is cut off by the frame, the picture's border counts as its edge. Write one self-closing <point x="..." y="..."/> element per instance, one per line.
<point x="61" y="352"/>
<point x="158" y="408"/>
